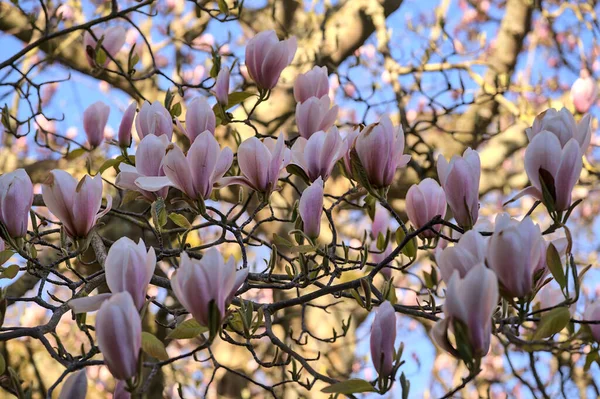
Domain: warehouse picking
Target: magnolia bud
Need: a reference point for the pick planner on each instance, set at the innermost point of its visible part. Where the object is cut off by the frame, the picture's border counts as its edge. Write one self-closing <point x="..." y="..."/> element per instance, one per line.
<point x="267" y="57"/>
<point x="16" y="198"/>
<point x="95" y="118"/>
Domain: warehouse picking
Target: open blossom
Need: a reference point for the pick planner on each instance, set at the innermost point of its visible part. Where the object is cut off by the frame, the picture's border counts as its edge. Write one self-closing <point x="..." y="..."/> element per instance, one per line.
<point x="318" y="155"/>
<point x="470" y="301"/>
<point x="468" y="252"/>
<point x="114" y="39"/>
<point x="553" y="167"/>
<point x="383" y="336"/>
<point x="16" y="198"/>
<point x="95" y="118"/>
<point x="314" y="83"/>
<point x="380" y="149"/>
<point x="261" y="163"/>
<point x="76" y="205"/>
<point x="267" y="57"/>
<point x="516" y="252"/>
<point x="129" y="267"/>
<point x="311" y="208"/>
<point x="460" y="181"/>
<point x="221" y="89"/>
<point x="119" y="335"/>
<point x="562" y="124"/>
<point x="148" y="163"/>
<point x="314" y="115"/>
<point x="154" y="119"/>
<point x="424" y="201"/>
<point x="198" y="119"/>
<point x="195" y="174"/>
<point x="584" y="92"/>
<point x="197" y="283"/>
<point x="124" y="136"/>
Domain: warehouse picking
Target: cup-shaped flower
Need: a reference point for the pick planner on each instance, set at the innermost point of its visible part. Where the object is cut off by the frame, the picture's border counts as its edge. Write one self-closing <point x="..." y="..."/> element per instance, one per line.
<point x="516" y="250"/>
<point x="124" y="135"/>
<point x="221" y="89"/>
<point x="380" y="149"/>
<point x="463" y="256"/>
<point x="196" y="174"/>
<point x="148" y="165"/>
<point x="267" y="57"/>
<point x="592" y="313"/>
<point x="16" y="197"/>
<point x="553" y="169"/>
<point x="469" y="307"/>
<point x="113" y="40"/>
<point x="311" y="208"/>
<point x="424" y="201"/>
<point x="460" y="181"/>
<point x="314" y="115"/>
<point x="75" y="387"/>
<point x="383" y="335"/>
<point x="314" y="83"/>
<point x="129" y="267"/>
<point x="562" y="124"/>
<point x="350" y="139"/>
<point x="197" y="283"/>
<point x="584" y="92"/>
<point x="318" y="155"/>
<point x="153" y="119"/>
<point x="198" y="119"/>
<point x="76" y="205"/>
<point x="261" y="164"/>
<point x="119" y="335"/>
<point x="95" y="118"/>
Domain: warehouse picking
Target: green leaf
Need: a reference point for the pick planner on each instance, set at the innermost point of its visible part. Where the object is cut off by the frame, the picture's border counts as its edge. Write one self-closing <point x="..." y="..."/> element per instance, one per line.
<point x="159" y="213"/>
<point x="349" y="387"/>
<point x="76" y="154"/>
<point x="589" y="359"/>
<point x="176" y="110"/>
<point x="555" y="265"/>
<point x="10" y="272"/>
<point x="100" y="57"/>
<point x="552" y="322"/>
<point x="109" y="163"/>
<point x="297" y="171"/>
<point x="2" y="365"/>
<point x="6" y="255"/>
<point x="187" y="330"/>
<point x="180" y="220"/>
<point x="410" y="248"/>
<point x="153" y="347"/>
<point x="237" y="98"/>
<point x="223" y="7"/>
<point x="302" y="249"/>
<point x="282" y="242"/>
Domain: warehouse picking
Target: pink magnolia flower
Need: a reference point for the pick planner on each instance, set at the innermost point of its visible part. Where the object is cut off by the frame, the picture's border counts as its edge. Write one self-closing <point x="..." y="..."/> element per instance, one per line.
<point x="460" y="181"/>
<point x="380" y="148"/>
<point x="16" y="198"/>
<point x="198" y="119"/>
<point x="198" y="282"/>
<point x="318" y="155"/>
<point x="114" y="39"/>
<point x="76" y="205"/>
<point x="154" y="119"/>
<point x="311" y="208"/>
<point x="515" y="252"/>
<point x="221" y="89"/>
<point x="126" y="125"/>
<point x="592" y="313"/>
<point x="584" y="92"/>
<point x="562" y="124"/>
<point x="314" y="83"/>
<point x="463" y="256"/>
<point x="75" y="387"/>
<point x="129" y="267"/>
<point x="383" y="336"/>
<point x="314" y="115"/>
<point x="119" y="335"/>
<point x="350" y="139"/>
<point x="470" y="301"/>
<point x="148" y="164"/>
<point x="424" y="201"/>
<point x="195" y="175"/>
<point x="95" y="118"/>
<point x="261" y="164"/>
<point x="267" y="57"/>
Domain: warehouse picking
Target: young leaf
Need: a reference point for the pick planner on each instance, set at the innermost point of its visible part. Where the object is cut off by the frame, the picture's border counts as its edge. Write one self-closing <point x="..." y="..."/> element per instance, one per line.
<point x="153" y="347"/>
<point x="349" y="387"/>
<point x="187" y="330"/>
<point x="552" y="322"/>
<point x="555" y="265"/>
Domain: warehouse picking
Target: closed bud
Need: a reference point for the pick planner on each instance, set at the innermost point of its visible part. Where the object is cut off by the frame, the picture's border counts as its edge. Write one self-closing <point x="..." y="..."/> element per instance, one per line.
<point x="584" y="92"/>
<point x="267" y="57"/>
<point x="198" y="119"/>
<point x="124" y="136"/>
<point x="95" y="118"/>
<point x="383" y="336"/>
<point x="311" y="208"/>
<point x="221" y="89"/>
<point x="16" y="198"/>
<point x="424" y="201"/>
<point x="75" y="387"/>
<point x="314" y="83"/>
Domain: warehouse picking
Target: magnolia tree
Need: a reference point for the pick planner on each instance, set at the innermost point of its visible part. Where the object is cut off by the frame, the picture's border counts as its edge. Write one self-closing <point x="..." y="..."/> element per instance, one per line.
<point x="221" y="199"/>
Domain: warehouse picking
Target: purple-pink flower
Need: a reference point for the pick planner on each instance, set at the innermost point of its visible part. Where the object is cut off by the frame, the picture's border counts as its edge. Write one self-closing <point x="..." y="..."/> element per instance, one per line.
<point x="267" y="57"/>
<point x="318" y="155"/>
<point x="95" y="118"/>
<point x="16" y="198"/>
<point x="314" y="83"/>
<point x="315" y="115"/>
<point x="383" y="336"/>
<point x="424" y="201"/>
<point x="311" y="208"/>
